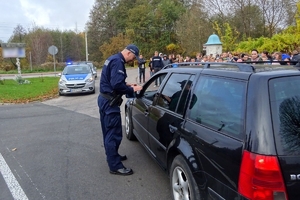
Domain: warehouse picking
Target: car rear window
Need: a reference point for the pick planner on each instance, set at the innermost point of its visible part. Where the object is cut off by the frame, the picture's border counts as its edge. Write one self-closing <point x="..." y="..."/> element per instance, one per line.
<point x="285" y="108"/>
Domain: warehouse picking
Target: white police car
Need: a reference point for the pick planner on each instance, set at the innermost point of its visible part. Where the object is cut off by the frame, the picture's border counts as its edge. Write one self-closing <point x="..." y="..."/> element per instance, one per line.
<point x="76" y="78"/>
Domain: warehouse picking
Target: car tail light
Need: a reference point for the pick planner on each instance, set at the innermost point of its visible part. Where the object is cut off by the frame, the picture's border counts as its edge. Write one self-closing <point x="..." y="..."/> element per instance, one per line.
<point x="260" y="178"/>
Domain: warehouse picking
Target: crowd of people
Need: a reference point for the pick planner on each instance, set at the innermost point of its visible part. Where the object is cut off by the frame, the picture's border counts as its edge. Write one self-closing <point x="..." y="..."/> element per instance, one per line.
<point x="159" y="60"/>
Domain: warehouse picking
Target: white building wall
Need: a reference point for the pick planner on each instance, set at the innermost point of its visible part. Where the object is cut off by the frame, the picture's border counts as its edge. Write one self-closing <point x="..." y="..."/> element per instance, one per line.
<point x="213" y="49"/>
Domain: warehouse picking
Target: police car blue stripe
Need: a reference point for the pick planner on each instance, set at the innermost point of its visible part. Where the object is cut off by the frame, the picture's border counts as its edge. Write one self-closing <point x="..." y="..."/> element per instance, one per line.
<point x="75" y="77"/>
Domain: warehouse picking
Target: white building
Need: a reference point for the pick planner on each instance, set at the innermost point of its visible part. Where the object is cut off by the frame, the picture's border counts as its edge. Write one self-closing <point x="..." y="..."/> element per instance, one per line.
<point x="213" y="45"/>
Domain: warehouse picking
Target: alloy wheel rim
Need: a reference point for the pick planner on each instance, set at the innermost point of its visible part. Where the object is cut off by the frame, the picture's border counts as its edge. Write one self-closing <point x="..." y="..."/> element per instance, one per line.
<point x="180" y="185"/>
<point x="126" y="123"/>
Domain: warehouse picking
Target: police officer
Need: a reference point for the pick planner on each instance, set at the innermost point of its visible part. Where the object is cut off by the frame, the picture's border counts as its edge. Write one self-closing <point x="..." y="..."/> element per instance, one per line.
<point x="157" y="65"/>
<point x="112" y="87"/>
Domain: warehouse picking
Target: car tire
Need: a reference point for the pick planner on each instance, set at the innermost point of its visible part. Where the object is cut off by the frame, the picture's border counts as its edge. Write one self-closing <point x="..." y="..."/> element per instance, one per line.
<point x="60" y="94"/>
<point x="93" y="92"/>
<point x="182" y="182"/>
<point x="128" y="126"/>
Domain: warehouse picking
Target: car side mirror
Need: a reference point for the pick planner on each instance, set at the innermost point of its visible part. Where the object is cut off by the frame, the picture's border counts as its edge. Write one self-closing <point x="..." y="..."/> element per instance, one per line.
<point x="137" y="94"/>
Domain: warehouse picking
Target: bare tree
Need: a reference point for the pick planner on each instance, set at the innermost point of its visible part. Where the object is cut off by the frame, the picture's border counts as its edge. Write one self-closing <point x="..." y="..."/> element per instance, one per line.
<point x="19" y="34"/>
<point x="274" y="12"/>
<point x="244" y="15"/>
<point x="253" y="18"/>
<point x="38" y="42"/>
<point x="219" y="8"/>
<point x="291" y="10"/>
<point x="193" y="29"/>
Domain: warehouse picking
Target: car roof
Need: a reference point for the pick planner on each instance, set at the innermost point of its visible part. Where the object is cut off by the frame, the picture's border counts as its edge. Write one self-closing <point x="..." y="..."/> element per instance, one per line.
<point x="84" y="62"/>
<point x="241" y="71"/>
<point x="76" y="65"/>
<point x="233" y="67"/>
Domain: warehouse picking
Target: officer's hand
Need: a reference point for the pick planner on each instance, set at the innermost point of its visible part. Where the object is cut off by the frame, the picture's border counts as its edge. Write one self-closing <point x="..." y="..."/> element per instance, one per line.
<point x="168" y="99"/>
<point x="136" y="87"/>
<point x="131" y="84"/>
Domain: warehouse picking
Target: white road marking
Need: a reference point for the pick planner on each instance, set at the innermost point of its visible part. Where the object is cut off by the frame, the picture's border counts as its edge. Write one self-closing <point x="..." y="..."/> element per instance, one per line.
<point x="12" y="183"/>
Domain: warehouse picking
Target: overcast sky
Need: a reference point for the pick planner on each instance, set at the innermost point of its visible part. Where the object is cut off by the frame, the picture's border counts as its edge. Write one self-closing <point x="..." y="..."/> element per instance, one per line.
<point x="52" y="14"/>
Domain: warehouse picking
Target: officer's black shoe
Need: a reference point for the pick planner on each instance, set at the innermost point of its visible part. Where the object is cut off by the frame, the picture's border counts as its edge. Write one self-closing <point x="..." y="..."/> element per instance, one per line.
<point x="123" y="158"/>
<point x="123" y="171"/>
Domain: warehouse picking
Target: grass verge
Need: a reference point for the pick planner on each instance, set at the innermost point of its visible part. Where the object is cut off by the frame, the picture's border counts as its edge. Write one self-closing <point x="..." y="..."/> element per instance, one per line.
<point x="39" y="89"/>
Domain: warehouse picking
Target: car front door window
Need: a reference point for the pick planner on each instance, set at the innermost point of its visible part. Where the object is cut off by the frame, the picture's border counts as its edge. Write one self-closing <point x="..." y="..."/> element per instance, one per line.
<point x="151" y="89"/>
<point x="175" y="93"/>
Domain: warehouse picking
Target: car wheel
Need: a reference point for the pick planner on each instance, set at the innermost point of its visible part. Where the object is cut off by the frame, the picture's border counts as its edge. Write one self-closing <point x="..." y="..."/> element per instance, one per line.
<point x="60" y="94"/>
<point x="182" y="181"/>
<point x="128" y="127"/>
<point x="93" y="92"/>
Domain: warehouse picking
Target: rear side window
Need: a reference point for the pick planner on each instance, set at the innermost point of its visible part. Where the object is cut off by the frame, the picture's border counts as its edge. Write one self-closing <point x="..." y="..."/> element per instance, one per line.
<point x="220" y="105"/>
<point x="285" y="107"/>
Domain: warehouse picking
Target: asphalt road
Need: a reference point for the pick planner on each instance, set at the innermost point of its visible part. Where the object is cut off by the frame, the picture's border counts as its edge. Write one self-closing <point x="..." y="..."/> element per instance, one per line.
<point x="54" y="150"/>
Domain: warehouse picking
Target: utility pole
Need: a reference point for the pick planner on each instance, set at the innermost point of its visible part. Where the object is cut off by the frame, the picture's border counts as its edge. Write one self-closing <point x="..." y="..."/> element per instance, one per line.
<point x="61" y="49"/>
<point x="30" y="61"/>
<point x="86" y="47"/>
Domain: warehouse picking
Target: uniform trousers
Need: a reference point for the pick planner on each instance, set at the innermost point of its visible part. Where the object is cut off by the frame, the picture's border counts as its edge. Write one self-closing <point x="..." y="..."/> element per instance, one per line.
<point x="142" y="74"/>
<point x="111" y="125"/>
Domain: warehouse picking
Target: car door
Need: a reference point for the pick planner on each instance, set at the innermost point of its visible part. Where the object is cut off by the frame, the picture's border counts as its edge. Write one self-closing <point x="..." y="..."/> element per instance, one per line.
<point x="214" y="128"/>
<point x="140" y="109"/>
<point x="166" y="114"/>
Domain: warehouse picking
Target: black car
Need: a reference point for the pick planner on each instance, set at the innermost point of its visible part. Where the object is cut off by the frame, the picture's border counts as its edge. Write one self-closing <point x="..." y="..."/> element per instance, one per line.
<point x="222" y="130"/>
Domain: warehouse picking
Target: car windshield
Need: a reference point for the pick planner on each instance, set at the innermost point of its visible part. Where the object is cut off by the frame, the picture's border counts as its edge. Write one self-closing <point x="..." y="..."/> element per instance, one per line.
<point x="69" y="70"/>
<point x="91" y="65"/>
<point x="285" y="105"/>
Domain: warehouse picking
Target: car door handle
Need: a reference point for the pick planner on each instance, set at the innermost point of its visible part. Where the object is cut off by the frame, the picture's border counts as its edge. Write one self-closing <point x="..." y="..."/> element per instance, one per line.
<point x="172" y="128"/>
<point x="194" y="133"/>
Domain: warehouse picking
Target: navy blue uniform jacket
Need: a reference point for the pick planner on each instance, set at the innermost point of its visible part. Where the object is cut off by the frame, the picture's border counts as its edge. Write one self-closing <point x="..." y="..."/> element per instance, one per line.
<point x="113" y="77"/>
<point x="157" y="62"/>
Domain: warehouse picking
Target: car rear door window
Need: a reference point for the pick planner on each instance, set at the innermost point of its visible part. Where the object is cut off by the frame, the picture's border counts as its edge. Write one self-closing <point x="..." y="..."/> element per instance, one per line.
<point x="220" y="105"/>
